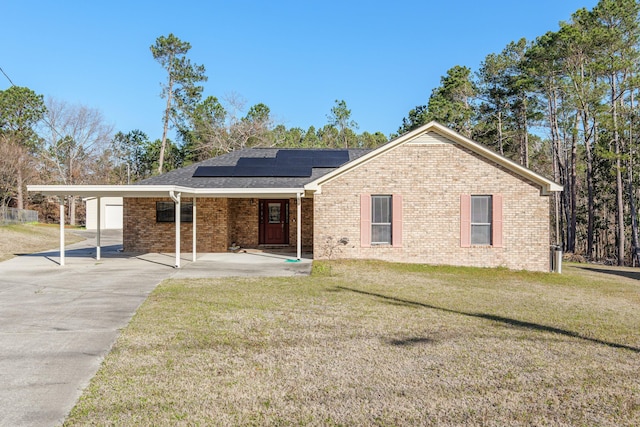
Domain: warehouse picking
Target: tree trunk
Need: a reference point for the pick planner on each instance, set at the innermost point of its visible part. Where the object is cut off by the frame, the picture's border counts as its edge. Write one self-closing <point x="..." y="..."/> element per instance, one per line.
<point x="563" y="170"/>
<point x="165" y="127"/>
<point x="555" y="150"/>
<point x="525" y="141"/>
<point x="635" y="256"/>
<point x="619" y="188"/>
<point x="500" y="136"/>
<point x="524" y="157"/>
<point x="571" y="235"/>
<point x="590" y="186"/>
<point x="20" y="184"/>
<point x="72" y="210"/>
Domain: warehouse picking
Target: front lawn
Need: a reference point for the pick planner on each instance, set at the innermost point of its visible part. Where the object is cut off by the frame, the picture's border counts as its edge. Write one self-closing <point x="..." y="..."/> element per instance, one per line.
<point x="16" y="239"/>
<point x="371" y="343"/>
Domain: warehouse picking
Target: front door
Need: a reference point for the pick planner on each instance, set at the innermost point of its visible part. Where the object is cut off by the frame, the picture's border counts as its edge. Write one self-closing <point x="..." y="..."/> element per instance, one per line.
<point x="274" y="222"/>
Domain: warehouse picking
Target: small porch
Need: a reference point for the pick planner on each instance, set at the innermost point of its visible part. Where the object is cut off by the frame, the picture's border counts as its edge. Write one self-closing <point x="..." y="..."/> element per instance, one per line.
<point x="245" y="263"/>
<point x="223" y="222"/>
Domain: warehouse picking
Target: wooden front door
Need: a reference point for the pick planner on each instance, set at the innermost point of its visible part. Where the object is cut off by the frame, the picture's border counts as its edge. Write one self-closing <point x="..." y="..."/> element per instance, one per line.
<point x="274" y="222"/>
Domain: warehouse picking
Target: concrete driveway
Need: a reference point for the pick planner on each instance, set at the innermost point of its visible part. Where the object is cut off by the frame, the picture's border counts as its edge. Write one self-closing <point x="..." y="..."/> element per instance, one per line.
<point x="58" y="323"/>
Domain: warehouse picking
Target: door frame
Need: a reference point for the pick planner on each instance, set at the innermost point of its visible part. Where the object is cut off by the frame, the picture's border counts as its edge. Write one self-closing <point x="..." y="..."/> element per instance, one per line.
<point x="262" y="221"/>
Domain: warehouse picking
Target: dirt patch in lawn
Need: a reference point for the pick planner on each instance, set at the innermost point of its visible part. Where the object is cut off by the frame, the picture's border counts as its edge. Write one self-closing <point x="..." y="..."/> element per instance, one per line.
<point x="371" y="343"/>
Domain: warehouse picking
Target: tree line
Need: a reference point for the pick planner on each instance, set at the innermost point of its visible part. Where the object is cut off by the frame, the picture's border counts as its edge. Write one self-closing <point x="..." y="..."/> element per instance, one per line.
<point x="53" y="142"/>
<point x="564" y="104"/>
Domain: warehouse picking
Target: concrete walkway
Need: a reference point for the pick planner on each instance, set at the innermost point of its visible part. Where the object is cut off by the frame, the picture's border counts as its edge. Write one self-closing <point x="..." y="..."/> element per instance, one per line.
<point x="58" y="323"/>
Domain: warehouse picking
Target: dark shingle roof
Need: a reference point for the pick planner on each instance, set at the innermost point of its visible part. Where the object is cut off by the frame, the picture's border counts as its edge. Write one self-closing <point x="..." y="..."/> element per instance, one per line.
<point x="184" y="176"/>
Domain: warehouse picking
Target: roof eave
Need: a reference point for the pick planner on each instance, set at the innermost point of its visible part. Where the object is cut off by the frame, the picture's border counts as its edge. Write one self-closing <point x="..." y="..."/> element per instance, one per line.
<point x="159" y="191"/>
<point x="546" y="186"/>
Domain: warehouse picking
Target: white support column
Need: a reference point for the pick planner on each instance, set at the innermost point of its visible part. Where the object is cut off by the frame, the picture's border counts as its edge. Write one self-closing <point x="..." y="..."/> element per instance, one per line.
<point x="98" y="229"/>
<point x="176" y="199"/>
<point x="61" y="230"/>
<point x="194" y="223"/>
<point x="299" y="227"/>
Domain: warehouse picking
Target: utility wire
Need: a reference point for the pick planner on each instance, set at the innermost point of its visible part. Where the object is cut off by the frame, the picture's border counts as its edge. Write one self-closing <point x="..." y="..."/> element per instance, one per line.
<point x="8" y="78"/>
<point x="43" y="118"/>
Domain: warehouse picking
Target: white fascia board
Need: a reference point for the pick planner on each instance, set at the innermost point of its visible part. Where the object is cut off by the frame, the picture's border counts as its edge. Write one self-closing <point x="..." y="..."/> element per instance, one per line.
<point x="315" y="186"/>
<point x="546" y="186"/>
<point x="245" y="192"/>
<point x="159" y="191"/>
<point x="103" y="190"/>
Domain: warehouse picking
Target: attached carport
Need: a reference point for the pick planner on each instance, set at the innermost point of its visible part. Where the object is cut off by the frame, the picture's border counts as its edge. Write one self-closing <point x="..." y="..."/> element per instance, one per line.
<point x="176" y="193"/>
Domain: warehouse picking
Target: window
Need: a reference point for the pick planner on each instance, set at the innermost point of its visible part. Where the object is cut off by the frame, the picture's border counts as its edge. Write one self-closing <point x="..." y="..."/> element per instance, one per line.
<point x="166" y="212"/>
<point x="481" y="220"/>
<point x="381" y="220"/>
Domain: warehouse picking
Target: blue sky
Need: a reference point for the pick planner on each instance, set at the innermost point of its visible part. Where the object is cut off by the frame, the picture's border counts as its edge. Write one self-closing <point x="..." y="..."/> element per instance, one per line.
<point x="297" y="57"/>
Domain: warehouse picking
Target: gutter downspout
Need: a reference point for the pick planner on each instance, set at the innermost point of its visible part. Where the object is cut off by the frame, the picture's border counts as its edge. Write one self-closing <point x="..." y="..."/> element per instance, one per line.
<point x="176" y="198"/>
<point x="298" y="226"/>
<point x="194" y="224"/>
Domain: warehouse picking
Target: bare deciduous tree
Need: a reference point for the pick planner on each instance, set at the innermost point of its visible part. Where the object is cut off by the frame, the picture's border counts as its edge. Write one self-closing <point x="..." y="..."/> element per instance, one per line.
<point x="74" y="138"/>
<point x="215" y="130"/>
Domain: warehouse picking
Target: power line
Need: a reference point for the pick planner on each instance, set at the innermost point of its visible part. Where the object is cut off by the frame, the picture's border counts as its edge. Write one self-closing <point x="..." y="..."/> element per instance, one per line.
<point x="43" y="118"/>
<point x="8" y="78"/>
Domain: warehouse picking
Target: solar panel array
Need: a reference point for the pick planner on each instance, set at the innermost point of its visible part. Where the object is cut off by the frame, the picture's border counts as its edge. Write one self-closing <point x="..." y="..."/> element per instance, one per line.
<point x="287" y="163"/>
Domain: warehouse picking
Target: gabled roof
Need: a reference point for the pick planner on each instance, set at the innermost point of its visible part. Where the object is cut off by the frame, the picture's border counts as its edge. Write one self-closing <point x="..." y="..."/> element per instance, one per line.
<point x="546" y="186"/>
<point x="185" y="176"/>
<point x="183" y="180"/>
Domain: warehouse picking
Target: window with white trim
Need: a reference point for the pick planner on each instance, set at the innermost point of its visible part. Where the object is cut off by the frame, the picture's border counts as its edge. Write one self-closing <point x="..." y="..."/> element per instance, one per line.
<point x="381" y="208"/>
<point x="481" y="220"/>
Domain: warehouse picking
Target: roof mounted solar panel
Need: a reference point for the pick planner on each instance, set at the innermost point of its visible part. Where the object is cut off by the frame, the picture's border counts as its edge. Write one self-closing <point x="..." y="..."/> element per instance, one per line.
<point x="293" y="172"/>
<point x="253" y="171"/>
<point x="287" y="153"/>
<point x="330" y="159"/>
<point x="287" y="163"/>
<point x="213" y="171"/>
<point x="272" y="172"/>
<point x="256" y="162"/>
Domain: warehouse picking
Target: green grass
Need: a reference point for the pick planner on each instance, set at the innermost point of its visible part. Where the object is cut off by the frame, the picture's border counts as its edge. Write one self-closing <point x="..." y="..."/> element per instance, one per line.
<point x="18" y="239"/>
<point x="371" y="343"/>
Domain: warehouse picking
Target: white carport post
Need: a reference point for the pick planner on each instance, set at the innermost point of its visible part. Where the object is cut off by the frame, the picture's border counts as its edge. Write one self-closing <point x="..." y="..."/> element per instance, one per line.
<point x="98" y="229"/>
<point x="298" y="226"/>
<point x="61" y="230"/>
<point x="193" y="222"/>
<point x="176" y="199"/>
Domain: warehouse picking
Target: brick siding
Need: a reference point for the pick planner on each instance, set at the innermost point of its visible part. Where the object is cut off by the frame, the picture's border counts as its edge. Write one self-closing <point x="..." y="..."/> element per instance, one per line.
<point x="219" y="223"/>
<point x="431" y="174"/>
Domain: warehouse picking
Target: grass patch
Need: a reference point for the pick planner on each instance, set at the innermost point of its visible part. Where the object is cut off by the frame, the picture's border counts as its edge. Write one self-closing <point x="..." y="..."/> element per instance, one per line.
<point x="16" y="239"/>
<point x="371" y="343"/>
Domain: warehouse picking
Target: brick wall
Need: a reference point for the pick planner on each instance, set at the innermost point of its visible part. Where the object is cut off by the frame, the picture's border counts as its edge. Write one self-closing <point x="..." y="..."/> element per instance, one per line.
<point x="243" y="223"/>
<point x="431" y="174"/>
<point x="141" y="232"/>
<point x="219" y="222"/>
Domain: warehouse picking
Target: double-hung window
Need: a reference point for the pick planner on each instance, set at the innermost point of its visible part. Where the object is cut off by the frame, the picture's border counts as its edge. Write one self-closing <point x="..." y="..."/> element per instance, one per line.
<point x="166" y="212"/>
<point x="381" y="211"/>
<point x="380" y="220"/>
<point x="481" y="220"/>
